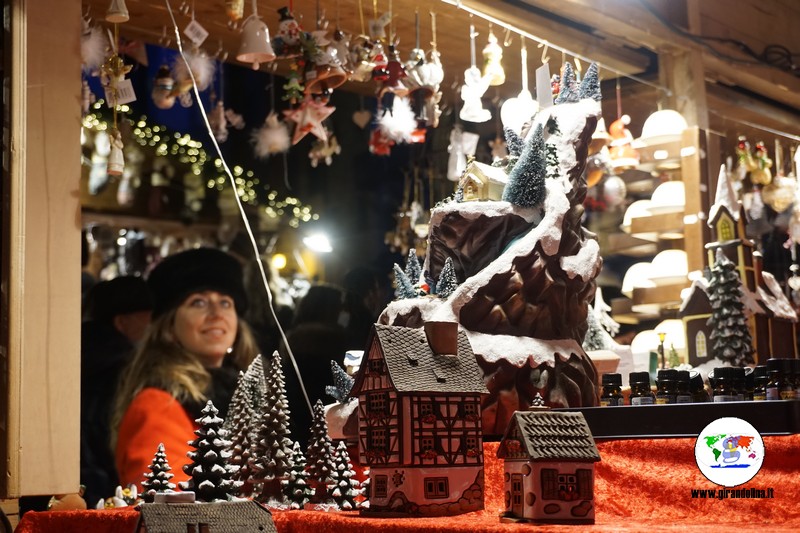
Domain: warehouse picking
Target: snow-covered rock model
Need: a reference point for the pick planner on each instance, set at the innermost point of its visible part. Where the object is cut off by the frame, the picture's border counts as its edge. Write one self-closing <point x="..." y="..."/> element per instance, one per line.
<point x="525" y="266"/>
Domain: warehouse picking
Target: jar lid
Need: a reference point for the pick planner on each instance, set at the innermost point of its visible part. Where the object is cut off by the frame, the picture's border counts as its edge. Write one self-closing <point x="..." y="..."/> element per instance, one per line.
<point x="639" y="378"/>
<point x="612" y="379"/>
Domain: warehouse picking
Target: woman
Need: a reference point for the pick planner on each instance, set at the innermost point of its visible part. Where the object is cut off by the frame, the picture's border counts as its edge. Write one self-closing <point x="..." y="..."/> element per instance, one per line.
<point x="191" y="353"/>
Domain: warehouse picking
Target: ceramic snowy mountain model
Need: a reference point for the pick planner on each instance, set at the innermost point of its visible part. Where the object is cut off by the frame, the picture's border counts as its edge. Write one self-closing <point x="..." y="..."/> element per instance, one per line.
<point x="524" y="265"/>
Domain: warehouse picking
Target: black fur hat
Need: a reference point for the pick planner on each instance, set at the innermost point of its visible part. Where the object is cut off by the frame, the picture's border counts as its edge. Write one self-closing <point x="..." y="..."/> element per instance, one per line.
<point x="200" y="269"/>
<point x="119" y="296"/>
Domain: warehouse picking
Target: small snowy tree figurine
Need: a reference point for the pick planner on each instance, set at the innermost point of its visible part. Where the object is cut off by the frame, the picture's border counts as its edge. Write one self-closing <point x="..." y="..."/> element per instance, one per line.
<point x="730" y="336"/>
<point x="447" y="280"/>
<point x="342" y="383"/>
<point x="345" y="487"/>
<point x="568" y="91"/>
<point x="295" y="486"/>
<point x="413" y="269"/>
<point x="590" y="85"/>
<point x="321" y="463"/>
<point x="158" y="479"/>
<point x="596" y="337"/>
<point x="272" y="454"/>
<point x="211" y="478"/>
<point x="525" y="185"/>
<point x="403" y="286"/>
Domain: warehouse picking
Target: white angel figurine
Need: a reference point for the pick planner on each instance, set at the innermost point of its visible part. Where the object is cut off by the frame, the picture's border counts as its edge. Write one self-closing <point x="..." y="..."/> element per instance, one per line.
<point x="116" y="161"/>
<point x="474" y="86"/>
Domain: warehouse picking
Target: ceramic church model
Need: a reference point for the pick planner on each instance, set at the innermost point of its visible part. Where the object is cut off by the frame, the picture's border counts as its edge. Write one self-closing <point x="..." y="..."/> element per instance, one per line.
<point x="525" y="266"/>
<point x="419" y="421"/>
<point x="219" y="517"/>
<point x="548" y="468"/>
<point x="771" y="320"/>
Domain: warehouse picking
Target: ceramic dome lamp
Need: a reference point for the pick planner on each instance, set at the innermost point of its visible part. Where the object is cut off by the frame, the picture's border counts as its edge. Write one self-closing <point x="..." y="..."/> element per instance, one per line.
<point x="663" y="126"/>
<point x="516" y="111"/>
<point x="255" y="47"/>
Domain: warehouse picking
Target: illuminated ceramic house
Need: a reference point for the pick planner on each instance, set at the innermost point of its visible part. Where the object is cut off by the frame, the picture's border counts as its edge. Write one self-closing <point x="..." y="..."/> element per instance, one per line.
<point x="419" y="421"/>
<point x="549" y="461"/>
<point x="483" y="182"/>
<point x="219" y="517"/>
<point x="695" y="311"/>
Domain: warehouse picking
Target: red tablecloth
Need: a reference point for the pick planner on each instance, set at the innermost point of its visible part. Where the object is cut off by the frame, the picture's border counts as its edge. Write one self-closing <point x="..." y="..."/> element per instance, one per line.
<point x="641" y="485"/>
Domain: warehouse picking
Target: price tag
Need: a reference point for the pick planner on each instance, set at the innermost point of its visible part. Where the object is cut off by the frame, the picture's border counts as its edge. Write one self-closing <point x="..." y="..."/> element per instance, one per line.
<point x="195" y="32"/>
<point x="544" y="91"/>
<point x="122" y="94"/>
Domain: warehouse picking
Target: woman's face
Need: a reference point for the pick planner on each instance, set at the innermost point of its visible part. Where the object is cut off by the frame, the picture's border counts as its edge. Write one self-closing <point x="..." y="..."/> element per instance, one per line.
<point x="205" y="325"/>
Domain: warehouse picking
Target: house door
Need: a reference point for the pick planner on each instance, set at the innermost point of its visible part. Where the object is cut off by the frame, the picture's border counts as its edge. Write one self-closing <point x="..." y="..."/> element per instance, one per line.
<point x="516" y="494"/>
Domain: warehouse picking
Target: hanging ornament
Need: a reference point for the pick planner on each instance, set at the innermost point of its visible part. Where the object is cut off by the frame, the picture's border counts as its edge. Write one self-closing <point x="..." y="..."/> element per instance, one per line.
<point x="475" y="85"/>
<point x="116" y="160"/>
<point x="94" y="46"/>
<point x="286" y="44"/>
<point x="398" y="123"/>
<point x="499" y="148"/>
<point x="218" y="122"/>
<point x="614" y="191"/>
<point x="744" y="158"/>
<point x="324" y="71"/>
<point x="597" y="166"/>
<point x="462" y="146"/>
<point x="361" y="59"/>
<point x="293" y="88"/>
<point x="340" y="49"/>
<point x="324" y="150"/>
<point x="362" y="117"/>
<point x="98" y="174"/>
<point x="87" y="97"/>
<point x="235" y="11"/>
<point x="163" y="94"/>
<point x="492" y="61"/>
<point x="515" y="112"/>
<point x="271" y="138"/>
<point x="623" y="155"/>
<point x="308" y="118"/>
<point x="761" y="174"/>
<point x="379" y="144"/>
<point x="395" y="73"/>
<point x="779" y="193"/>
<point x="423" y="80"/>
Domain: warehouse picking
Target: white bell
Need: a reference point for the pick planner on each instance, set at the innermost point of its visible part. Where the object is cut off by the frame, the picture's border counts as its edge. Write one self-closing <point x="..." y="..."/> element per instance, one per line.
<point x="117" y="12"/>
<point x="255" y="47"/>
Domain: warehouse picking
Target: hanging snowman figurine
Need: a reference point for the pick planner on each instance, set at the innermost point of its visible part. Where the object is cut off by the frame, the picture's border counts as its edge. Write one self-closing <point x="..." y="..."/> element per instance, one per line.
<point x="287" y="42"/>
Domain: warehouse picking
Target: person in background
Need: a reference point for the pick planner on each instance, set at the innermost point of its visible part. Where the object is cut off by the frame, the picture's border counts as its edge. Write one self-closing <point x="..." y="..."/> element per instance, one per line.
<point x="363" y="302"/>
<point x="117" y="313"/>
<point x="315" y="339"/>
<point x="193" y="351"/>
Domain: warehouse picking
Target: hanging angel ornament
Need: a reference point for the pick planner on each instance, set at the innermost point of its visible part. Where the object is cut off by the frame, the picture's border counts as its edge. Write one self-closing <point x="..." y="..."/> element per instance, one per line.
<point x="271" y="138"/>
<point x="475" y="85"/>
<point x="462" y="146"/>
<point x="116" y="159"/>
<point x="87" y="97"/>
<point x="324" y="150"/>
<point x="492" y="61"/>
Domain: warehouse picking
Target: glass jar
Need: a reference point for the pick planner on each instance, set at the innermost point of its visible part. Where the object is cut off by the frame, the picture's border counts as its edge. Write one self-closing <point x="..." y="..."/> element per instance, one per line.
<point x="641" y="394"/>
<point x="760" y="379"/>
<point x="683" y="394"/>
<point x="724" y="384"/>
<point x="612" y="390"/>
<point x="780" y="386"/>
<point x="697" y="387"/>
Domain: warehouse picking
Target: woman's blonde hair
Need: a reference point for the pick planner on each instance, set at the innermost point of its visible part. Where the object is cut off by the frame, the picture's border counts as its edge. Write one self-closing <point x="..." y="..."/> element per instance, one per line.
<point x="161" y="362"/>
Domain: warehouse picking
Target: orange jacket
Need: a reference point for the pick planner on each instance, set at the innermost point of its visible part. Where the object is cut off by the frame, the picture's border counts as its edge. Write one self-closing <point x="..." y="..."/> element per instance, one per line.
<point x="153" y="416"/>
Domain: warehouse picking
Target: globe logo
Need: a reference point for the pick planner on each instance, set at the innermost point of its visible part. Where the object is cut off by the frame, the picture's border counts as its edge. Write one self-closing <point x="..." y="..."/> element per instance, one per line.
<point x="729" y="451"/>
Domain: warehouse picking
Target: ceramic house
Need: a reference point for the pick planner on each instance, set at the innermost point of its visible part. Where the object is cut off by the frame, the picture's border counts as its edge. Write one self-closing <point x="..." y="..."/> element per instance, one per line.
<point x="549" y="461"/>
<point x="483" y="182"/>
<point x="695" y="311"/>
<point x="419" y="421"/>
<point x="219" y="517"/>
<point x="782" y="319"/>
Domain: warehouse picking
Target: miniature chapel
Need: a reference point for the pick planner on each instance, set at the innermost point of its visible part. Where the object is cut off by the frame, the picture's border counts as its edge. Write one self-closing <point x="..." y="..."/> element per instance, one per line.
<point x="219" y="517"/>
<point x="548" y="461"/>
<point x="419" y="421"/>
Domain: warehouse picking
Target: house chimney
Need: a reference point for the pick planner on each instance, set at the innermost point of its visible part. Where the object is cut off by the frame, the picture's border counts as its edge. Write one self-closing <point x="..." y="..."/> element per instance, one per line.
<point x="442" y="337"/>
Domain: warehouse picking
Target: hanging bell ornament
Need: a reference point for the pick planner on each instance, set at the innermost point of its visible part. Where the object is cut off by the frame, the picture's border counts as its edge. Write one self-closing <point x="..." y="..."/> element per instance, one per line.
<point x="492" y="62"/>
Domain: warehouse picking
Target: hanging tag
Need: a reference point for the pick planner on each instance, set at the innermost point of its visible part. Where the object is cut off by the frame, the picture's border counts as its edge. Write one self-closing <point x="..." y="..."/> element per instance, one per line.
<point x="544" y="92"/>
<point x="124" y="94"/>
<point x="195" y="32"/>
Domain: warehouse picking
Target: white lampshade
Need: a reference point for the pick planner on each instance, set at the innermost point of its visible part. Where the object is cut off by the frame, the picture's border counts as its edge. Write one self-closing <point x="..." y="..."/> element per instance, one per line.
<point x="669" y="266"/>
<point x="663" y="126"/>
<point x="638" y="209"/>
<point x="637" y="277"/>
<point x="516" y="111"/>
<point x="668" y="197"/>
<point x="256" y="47"/>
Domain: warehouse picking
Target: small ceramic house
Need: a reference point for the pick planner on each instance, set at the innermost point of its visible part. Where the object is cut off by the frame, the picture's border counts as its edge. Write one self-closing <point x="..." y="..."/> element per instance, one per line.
<point x="782" y="319"/>
<point x="218" y="517"/>
<point x="695" y="311"/>
<point x="549" y="461"/>
<point x="483" y="182"/>
<point x="419" y="421"/>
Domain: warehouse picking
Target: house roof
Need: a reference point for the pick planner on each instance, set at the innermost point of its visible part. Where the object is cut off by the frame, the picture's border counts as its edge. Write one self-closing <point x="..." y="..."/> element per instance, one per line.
<point x="413" y="367"/>
<point x="696" y="300"/>
<point x="547" y="435"/>
<point x="221" y="517"/>
<point x="725" y="197"/>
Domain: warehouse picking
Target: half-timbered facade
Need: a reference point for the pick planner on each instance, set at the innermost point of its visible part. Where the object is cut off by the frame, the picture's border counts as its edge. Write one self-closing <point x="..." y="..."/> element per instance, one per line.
<point x="420" y="421"/>
<point x="549" y="461"/>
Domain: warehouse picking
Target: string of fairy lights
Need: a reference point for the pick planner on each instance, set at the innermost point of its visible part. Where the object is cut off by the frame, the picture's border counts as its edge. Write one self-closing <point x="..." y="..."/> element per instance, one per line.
<point x="188" y="151"/>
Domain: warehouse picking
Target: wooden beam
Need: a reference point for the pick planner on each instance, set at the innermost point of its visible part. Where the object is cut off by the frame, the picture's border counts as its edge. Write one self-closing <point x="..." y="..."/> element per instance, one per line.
<point x="729" y="104"/>
<point x="608" y="51"/>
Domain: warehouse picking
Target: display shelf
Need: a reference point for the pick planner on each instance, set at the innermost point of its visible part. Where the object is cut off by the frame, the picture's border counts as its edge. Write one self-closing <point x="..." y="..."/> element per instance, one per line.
<point x="780" y="417"/>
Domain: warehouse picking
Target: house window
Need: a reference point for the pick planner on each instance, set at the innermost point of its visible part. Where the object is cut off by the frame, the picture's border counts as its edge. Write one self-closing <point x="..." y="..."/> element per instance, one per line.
<point x="378" y="402"/>
<point x="426" y="443"/>
<point x="204" y="528"/>
<point x="549" y="484"/>
<point x="471" y="442"/>
<point x="470" y="409"/>
<point x="376" y="366"/>
<point x="426" y="409"/>
<point x="725" y="229"/>
<point x="567" y="486"/>
<point x="381" y="484"/>
<point x="436" y="488"/>
<point x="377" y="439"/>
<point x="700" y="345"/>
<point x="516" y="491"/>
<point x="190" y="528"/>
